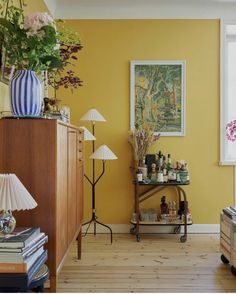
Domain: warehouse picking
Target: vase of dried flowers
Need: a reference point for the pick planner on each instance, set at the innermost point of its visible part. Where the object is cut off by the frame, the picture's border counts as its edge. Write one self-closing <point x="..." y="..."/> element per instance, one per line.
<point x="141" y="140"/>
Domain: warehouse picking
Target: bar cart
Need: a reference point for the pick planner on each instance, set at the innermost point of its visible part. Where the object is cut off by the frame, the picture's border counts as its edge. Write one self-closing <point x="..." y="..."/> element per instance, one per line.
<point x="151" y="189"/>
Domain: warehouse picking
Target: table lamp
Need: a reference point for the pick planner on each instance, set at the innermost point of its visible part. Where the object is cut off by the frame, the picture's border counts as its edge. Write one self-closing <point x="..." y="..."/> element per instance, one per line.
<point x="13" y="196"/>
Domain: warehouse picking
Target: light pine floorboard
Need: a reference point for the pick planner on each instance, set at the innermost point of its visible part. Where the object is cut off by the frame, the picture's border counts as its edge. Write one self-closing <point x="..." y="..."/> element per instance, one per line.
<point x="159" y="263"/>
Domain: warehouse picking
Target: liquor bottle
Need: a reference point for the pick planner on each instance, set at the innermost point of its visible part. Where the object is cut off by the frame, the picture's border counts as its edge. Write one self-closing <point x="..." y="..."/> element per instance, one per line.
<point x="160" y="177"/>
<point x="153" y="173"/>
<point x="143" y="168"/>
<point x="177" y="173"/>
<point x="186" y="167"/>
<point x="164" y="166"/>
<point x="169" y="163"/>
<point x="139" y="175"/>
<point x="174" y="212"/>
<point x="159" y="160"/>
<point x="164" y="205"/>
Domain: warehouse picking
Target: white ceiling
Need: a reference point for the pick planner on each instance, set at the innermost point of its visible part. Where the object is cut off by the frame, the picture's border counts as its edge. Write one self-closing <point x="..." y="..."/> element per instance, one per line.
<point x="142" y="9"/>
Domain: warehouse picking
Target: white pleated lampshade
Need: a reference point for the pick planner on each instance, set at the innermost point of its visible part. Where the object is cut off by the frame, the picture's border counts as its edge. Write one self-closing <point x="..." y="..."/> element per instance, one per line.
<point x="13" y="194"/>
<point x="92" y="115"/>
<point x="88" y="136"/>
<point x="103" y="153"/>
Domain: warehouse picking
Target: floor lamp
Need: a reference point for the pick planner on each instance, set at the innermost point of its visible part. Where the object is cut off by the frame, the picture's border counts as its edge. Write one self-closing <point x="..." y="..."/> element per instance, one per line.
<point x="102" y="153"/>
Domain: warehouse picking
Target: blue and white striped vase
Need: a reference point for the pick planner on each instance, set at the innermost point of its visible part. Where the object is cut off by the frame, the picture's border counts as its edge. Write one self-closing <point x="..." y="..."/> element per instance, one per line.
<point x="25" y="94"/>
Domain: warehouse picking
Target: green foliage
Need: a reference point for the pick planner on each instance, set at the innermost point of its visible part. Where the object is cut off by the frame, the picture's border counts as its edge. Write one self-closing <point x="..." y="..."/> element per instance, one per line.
<point x="24" y="50"/>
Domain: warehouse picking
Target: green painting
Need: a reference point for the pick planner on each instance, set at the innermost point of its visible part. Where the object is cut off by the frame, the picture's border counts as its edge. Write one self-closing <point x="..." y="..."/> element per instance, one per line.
<point x="157" y="96"/>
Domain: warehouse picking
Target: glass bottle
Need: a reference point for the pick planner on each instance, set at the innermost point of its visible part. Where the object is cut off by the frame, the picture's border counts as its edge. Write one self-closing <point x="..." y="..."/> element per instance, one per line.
<point x="169" y="168"/>
<point x="160" y="177"/>
<point x="164" y="166"/>
<point x="139" y="175"/>
<point x="159" y="160"/>
<point x="169" y="163"/>
<point x="143" y="168"/>
<point x="183" y="174"/>
<point x="164" y="205"/>
<point x="153" y="173"/>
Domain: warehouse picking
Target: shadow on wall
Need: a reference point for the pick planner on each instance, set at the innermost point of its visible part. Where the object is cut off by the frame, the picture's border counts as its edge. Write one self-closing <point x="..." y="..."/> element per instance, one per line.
<point x="4" y="97"/>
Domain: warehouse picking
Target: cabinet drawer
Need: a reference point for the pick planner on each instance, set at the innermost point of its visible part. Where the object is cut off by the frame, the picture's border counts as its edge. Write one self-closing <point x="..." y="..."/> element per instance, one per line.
<point x="225" y="244"/>
<point x="225" y="228"/>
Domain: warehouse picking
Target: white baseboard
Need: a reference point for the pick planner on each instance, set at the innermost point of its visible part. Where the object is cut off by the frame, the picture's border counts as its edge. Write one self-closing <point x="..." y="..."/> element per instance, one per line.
<point x="125" y="229"/>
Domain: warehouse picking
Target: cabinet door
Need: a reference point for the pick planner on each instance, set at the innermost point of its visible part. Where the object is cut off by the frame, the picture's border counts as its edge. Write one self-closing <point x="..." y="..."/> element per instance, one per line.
<point x="62" y="180"/>
<point x="72" y="198"/>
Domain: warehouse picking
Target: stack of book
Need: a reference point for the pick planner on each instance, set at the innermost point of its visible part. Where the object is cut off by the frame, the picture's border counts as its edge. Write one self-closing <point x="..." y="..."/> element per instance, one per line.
<point x="230" y="212"/>
<point x="23" y="251"/>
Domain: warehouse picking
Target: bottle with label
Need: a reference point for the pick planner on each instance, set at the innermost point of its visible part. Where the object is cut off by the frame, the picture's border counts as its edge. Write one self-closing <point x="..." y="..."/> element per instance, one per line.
<point x="139" y="175"/>
<point x="153" y="173"/>
<point x="164" y="166"/>
<point x="183" y="173"/>
<point x="164" y="205"/>
<point x="160" y="177"/>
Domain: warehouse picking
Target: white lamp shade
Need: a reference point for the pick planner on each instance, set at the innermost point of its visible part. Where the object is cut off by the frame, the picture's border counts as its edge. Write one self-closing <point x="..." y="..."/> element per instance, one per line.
<point x="103" y="153"/>
<point x="87" y="135"/>
<point x="13" y="194"/>
<point x="92" y="115"/>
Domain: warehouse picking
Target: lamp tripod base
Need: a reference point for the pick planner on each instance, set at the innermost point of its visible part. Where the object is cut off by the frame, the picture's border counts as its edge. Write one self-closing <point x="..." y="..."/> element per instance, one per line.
<point x="95" y="221"/>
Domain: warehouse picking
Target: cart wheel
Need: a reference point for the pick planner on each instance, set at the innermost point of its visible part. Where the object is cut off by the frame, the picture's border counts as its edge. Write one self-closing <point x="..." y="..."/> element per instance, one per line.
<point x="224" y="259"/>
<point x="177" y="230"/>
<point x="233" y="270"/>
<point x="183" y="238"/>
<point x="138" y="238"/>
<point x="133" y="230"/>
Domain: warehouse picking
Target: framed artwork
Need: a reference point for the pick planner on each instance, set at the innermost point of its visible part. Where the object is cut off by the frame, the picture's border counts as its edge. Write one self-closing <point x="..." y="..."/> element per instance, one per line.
<point x="157" y="96"/>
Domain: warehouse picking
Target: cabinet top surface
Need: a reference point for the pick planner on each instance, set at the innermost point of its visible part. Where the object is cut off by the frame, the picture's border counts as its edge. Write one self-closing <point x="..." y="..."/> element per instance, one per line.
<point x="30" y="119"/>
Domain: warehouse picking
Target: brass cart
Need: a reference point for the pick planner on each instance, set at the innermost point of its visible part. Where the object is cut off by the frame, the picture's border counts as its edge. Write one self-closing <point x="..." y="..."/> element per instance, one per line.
<point x="152" y="189"/>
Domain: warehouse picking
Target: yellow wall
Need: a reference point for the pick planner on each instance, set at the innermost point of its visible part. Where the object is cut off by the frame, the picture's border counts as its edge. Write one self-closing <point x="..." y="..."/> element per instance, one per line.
<point x="109" y="45"/>
<point x="32" y="6"/>
<point x="103" y="65"/>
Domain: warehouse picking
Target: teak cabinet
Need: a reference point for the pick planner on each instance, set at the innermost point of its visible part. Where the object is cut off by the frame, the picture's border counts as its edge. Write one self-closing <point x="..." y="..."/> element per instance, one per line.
<point x="47" y="156"/>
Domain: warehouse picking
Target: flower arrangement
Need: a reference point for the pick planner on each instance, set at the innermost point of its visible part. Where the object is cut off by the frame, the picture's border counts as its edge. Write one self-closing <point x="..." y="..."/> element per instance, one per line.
<point x="39" y="43"/>
<point x="30" y="42"/>
<point x="141" y="140"/>
<point x="231" y="131"/>
<point x="69" y="46"/>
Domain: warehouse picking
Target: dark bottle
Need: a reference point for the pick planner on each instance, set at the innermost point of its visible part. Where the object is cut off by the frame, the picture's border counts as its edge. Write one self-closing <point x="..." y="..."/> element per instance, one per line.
<point x="164" y="205"/>
<point x="159" y="160"/>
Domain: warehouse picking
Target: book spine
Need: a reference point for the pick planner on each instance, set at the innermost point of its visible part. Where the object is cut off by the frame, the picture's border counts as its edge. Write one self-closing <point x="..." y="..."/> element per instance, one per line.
<point x="13" y="268"/>
<point x="39" y="262"/>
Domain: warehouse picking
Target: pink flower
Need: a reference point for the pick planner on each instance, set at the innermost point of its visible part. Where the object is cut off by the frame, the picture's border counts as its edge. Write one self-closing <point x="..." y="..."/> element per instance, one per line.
<point x="231" y="131"/>
<point x="35" y="21"/>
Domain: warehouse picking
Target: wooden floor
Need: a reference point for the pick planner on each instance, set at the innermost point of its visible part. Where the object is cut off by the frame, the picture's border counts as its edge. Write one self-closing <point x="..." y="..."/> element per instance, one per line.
<point x="159" y="263"/>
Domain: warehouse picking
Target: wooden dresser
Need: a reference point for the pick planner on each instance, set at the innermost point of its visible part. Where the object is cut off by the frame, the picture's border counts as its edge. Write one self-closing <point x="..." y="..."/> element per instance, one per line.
<point x="47" y="156"/>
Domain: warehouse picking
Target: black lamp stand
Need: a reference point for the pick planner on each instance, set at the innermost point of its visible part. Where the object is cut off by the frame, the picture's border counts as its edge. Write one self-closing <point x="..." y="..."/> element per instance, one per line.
<point x="93" y="183"/>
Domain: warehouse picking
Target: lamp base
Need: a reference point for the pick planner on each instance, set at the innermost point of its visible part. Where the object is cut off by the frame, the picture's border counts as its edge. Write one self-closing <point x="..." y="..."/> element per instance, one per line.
<point x="94" y="221"/>
<point x="7" y="222"/>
